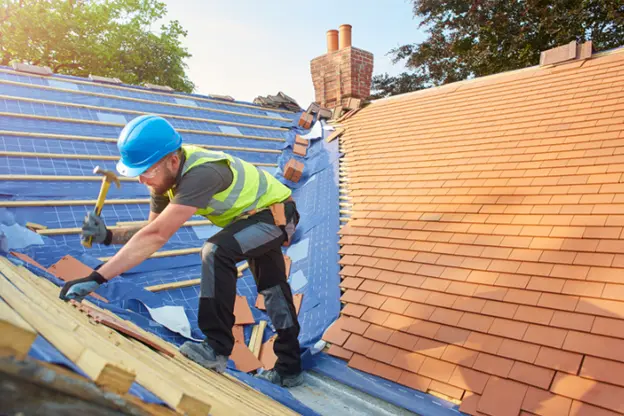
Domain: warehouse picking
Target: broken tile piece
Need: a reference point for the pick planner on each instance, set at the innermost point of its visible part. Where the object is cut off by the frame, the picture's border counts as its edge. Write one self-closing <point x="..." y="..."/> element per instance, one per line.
<point x="244" y="359"/>
<point x="27" y="259"/>
<point x="242" y="312"/>
<point x="68" y="268"/>
<point x="239" y="333"/>
<point x="267" y="355"/>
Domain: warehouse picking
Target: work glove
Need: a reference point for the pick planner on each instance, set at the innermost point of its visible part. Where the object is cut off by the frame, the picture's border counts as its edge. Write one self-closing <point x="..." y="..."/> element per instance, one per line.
<point x="78" y="289"/>
<point x="94" y="226"/>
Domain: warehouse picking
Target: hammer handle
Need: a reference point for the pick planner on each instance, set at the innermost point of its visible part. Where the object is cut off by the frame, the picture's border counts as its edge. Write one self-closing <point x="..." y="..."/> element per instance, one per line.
<point x="99" y="204"/>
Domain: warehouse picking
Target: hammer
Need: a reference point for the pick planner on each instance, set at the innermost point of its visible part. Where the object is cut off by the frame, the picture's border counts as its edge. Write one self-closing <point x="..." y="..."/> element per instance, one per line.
<point x="107" y="178"/>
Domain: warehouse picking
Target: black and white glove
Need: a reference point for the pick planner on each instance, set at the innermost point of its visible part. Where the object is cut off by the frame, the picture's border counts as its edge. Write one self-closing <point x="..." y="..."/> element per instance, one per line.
<point x="94" y="226"/>
<point x="78" y="289"/>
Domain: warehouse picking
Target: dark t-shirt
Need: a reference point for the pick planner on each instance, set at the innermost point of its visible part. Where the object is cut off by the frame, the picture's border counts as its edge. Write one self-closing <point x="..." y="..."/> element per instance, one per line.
<point x="197" y="187"/>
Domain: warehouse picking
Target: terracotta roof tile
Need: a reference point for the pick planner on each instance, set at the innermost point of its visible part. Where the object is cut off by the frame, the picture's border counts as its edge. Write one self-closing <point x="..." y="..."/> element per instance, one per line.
<point x="518" y="350"/>
<point x="502" y="397"/>
<point x="534" y="314"/>
<point x="492" y="240"/>
<point x="559" y="360"/>
<point x="378" y="333"/>
<point x="409" y="361"/>
<point x="469" y="403"/>
<point x="353" y="310"/>
<point x="414" y="381"/>
<point x="543" y="403"/>
<point x="335" y="334"/>
<point x="588" y="391"/>
<point x="531" y="374"/>
<point x="608" y="326"/>
<point x="362" y="363"/>
<point x="493" y="364"/>
<point x="437" y="369"/>
<point x="339" y="352"/>
<point x="469" y="304"/>
<point x="446" y="316"/>
<point x="403" y="340"/>
<point x="374" y="316"/>
<point x="580" y="409"/>
<point x="475" y="322"/>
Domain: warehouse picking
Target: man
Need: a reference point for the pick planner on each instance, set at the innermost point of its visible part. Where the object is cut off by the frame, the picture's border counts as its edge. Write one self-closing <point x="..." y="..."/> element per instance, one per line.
<point x="256" y="212"/>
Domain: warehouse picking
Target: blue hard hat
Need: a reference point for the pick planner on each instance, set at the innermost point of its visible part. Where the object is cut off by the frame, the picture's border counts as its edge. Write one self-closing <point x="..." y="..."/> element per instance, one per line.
<point x="144" y="141"/>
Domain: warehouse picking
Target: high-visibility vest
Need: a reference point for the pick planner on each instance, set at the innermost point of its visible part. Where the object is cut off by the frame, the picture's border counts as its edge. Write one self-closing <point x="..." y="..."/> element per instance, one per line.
<point x="251" y="188"/>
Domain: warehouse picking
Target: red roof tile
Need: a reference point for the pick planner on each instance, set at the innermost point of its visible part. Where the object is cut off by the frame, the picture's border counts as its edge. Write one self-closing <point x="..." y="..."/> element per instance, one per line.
<point x="488" y="246"/>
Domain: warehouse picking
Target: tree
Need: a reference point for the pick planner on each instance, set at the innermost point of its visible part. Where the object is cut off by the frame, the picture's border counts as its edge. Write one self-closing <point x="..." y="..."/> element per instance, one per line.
<point x="481" y="37"/>
<point x="110" y="38"/>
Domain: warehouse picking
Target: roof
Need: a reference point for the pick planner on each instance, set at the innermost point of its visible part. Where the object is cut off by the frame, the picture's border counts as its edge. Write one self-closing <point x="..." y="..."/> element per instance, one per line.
<point x="484" y="258"/>
<point x="53" y="131"/>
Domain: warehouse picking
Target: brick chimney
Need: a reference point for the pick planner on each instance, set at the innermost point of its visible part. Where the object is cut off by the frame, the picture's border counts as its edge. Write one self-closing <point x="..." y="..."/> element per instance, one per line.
<point x="343" y="72"/>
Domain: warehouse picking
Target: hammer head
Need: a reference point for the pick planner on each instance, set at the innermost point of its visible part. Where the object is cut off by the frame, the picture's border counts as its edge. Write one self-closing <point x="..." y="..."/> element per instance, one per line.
<point x="110" y="176"/>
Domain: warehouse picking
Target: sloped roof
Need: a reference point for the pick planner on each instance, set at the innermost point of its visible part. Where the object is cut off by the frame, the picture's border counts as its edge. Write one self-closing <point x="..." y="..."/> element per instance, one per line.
<point x="485" y="259"/>
<point x="53" y="131"/>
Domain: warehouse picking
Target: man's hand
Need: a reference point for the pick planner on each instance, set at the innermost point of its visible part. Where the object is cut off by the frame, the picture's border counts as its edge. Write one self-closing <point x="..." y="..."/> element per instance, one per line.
<point x="78" y="289"/>
<point x="94" y="226"/>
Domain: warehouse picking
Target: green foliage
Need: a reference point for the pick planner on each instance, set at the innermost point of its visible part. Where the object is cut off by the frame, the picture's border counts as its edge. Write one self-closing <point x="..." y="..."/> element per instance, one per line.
<point x="482" y="37"/>
<point x="110" y="38"/>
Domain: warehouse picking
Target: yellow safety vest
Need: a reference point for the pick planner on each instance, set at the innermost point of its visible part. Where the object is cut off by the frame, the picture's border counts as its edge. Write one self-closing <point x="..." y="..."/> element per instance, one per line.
<point x="251" y="188"/>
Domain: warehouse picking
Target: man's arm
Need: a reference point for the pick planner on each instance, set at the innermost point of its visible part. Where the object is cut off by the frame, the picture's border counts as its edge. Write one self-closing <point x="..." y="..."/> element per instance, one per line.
<point x="123" y="235"/>
<point x="147" y="240"/>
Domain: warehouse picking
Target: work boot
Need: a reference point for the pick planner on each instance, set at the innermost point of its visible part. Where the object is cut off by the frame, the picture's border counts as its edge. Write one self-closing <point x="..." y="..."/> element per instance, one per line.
<point x="204" y="355"/>
<point x="284" y="381"/>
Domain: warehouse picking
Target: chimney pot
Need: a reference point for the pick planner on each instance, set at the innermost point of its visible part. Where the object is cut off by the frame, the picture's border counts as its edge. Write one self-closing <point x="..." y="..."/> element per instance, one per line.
<point x="345" y="36"/>
<point x="332" y="40"/>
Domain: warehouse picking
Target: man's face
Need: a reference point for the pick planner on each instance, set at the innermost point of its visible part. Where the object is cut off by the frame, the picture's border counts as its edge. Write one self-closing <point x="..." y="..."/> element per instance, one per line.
<point x="162" y="175"/>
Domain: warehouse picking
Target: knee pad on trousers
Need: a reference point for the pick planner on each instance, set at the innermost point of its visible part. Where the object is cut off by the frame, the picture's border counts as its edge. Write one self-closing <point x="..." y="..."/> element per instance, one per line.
<point x="277" y="307"/>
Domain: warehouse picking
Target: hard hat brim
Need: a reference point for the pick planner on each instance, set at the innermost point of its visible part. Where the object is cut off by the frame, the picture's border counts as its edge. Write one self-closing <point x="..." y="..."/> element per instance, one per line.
<point x="130" y="172"/>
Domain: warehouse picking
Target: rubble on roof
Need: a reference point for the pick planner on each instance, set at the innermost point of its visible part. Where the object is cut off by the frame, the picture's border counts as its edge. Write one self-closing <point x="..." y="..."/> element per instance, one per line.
<point x="280" y="100"/>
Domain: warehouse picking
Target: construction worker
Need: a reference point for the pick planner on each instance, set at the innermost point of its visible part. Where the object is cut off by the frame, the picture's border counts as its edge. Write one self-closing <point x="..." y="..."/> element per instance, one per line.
<point x="256" y="212"/>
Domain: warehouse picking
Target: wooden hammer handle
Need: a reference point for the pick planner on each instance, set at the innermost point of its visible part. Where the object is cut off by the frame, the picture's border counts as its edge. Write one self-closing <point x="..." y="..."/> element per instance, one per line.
<point x="99" y="204"/>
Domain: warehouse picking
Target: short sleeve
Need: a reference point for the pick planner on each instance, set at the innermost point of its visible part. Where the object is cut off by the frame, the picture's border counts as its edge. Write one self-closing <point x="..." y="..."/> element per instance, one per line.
<point x="200" y="184"/>
<point x="158" y="203"/>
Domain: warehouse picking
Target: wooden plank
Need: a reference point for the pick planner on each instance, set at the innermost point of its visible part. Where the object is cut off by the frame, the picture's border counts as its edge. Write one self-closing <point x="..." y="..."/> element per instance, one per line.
<point x="228" y="396"/>
<point x="109" y="140"/>
<point x="60" y="178"/>
<point x="166" y="253"/>
<point x="35" y="227"/>
<point x="186" y="283"/>
<point x="143" y="91"/>
<point x="140" y="113"/>
<point x="109" y="374"/>
<point x="70" y="202"/>
<point x="70" y="343"/>
<point x="255" y="343"/>
<point x="17" y="335"/>
<point x="111" y="124"/>
<point x="77" y="230"/>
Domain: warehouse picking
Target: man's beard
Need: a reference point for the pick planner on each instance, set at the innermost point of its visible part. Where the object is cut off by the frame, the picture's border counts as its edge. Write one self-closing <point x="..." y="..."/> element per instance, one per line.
<point x="164" y="187"/>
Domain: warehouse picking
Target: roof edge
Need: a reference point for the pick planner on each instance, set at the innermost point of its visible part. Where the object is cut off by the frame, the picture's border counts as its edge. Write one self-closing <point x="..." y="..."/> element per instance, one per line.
<point x="455" y="85"/>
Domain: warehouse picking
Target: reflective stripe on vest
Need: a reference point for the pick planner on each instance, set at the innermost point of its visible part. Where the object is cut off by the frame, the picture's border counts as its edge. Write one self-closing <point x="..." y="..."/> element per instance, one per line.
<point x="251" y="188"/>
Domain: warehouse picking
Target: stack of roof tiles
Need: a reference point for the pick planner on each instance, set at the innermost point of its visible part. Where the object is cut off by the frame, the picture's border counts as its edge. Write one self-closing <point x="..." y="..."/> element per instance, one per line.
<point x="485" y="257"/>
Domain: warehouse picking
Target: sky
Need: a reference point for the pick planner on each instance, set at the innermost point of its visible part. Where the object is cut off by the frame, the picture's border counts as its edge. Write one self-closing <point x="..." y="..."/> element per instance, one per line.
<point x="247" y="48"/>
